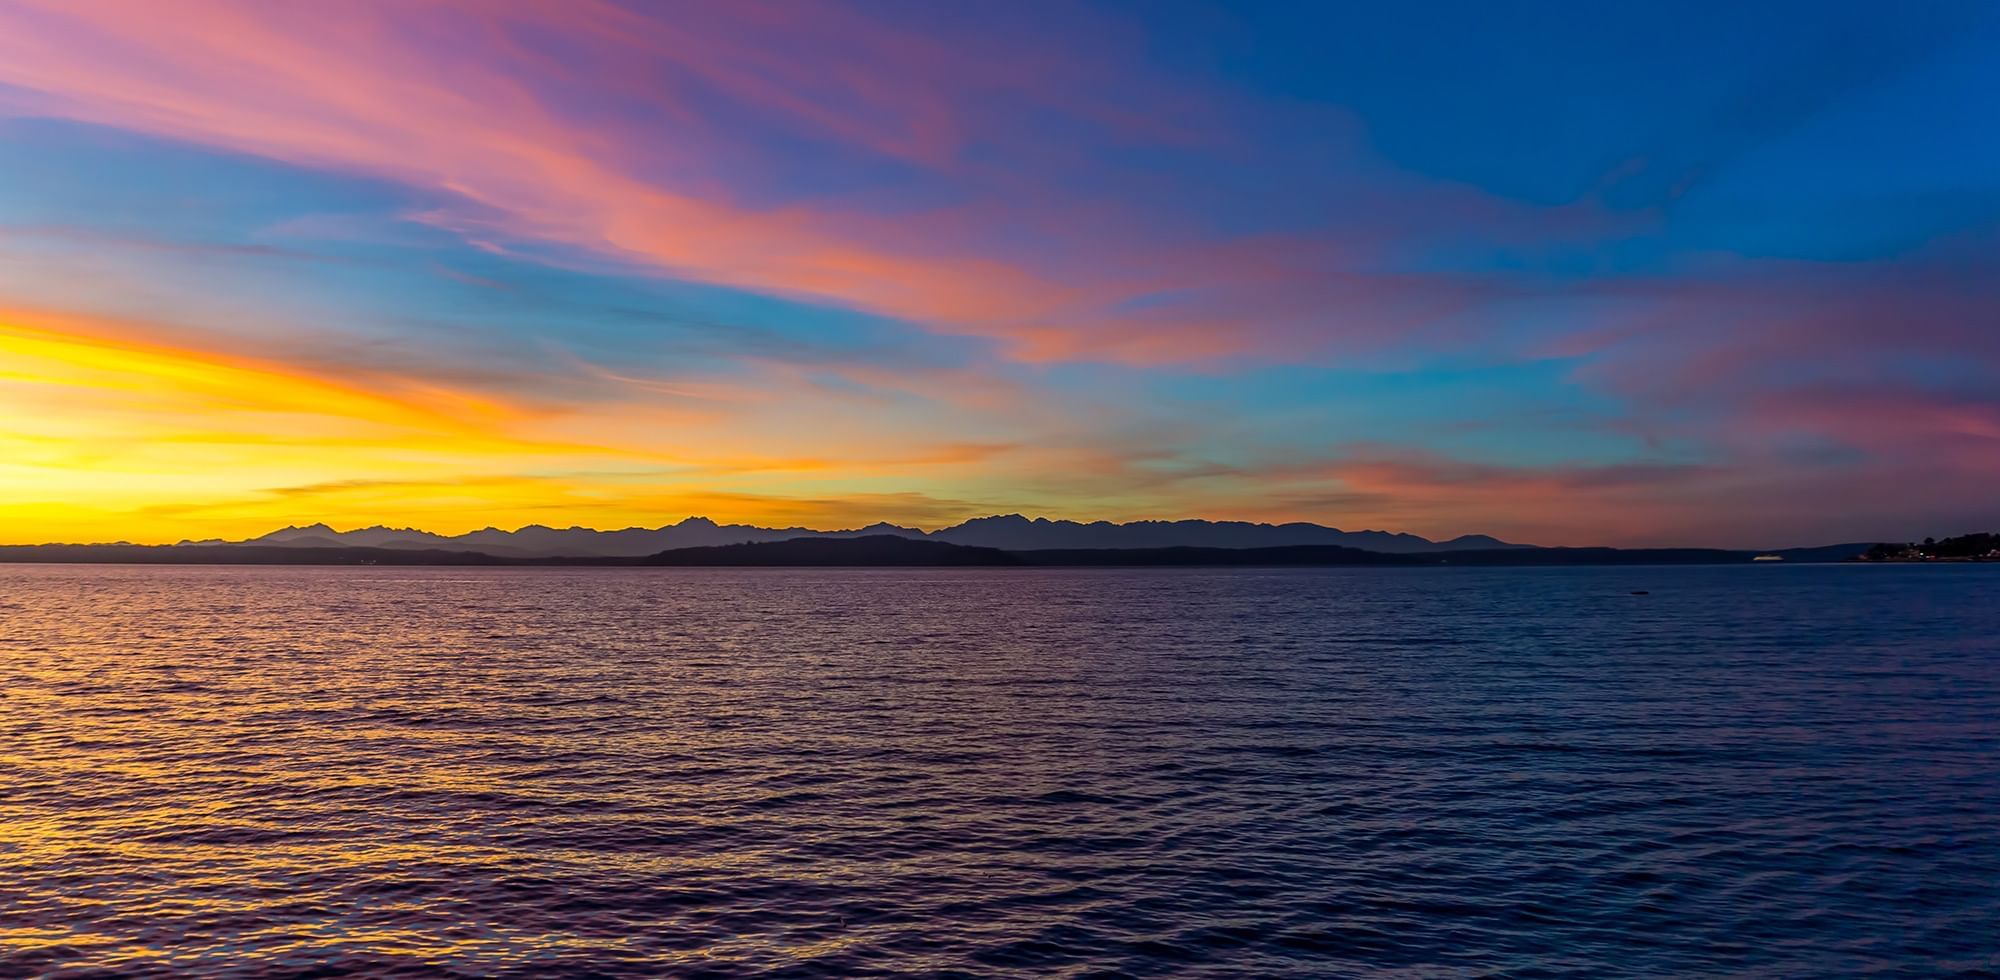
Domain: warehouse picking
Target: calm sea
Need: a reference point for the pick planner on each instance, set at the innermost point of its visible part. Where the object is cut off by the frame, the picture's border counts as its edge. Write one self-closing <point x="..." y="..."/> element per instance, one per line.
<point x="541" y="772"/>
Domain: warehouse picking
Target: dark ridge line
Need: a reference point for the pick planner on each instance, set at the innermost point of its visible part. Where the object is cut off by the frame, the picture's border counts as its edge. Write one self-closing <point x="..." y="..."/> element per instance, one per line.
<point x="888" y="551"/>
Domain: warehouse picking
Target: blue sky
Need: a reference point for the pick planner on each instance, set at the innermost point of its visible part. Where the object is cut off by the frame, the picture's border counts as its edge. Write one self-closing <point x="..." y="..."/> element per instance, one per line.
<point x="1570" y="273"/>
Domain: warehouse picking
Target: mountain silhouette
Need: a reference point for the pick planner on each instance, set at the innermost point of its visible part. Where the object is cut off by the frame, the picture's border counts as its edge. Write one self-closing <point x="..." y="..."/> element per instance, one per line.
<point x="890" y="550"/>
<point x="1014" y="532"/>
<point x="879" y="550"/>
<point x="1009" y="532"/>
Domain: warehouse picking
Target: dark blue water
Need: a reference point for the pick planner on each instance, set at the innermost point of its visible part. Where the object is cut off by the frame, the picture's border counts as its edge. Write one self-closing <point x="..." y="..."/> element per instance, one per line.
<point x="1776" y="771"/>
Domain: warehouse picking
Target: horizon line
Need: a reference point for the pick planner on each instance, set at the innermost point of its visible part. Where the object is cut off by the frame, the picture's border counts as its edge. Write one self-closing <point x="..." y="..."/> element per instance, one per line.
<point x="919" y="528"/>
<point x="775" y="526"/>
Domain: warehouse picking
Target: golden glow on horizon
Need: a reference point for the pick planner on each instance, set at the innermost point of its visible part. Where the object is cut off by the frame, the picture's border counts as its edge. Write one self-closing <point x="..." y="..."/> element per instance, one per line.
<point x="139" y="432"/>
<point x="107" y="434"/>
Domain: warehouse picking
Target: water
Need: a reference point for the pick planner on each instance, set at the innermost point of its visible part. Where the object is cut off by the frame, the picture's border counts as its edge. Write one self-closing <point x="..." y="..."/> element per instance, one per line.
<point x="546" y="772"/>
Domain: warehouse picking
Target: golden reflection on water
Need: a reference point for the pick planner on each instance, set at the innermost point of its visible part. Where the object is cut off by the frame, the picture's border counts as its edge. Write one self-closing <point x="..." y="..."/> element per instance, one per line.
<point x="287" y="761"/>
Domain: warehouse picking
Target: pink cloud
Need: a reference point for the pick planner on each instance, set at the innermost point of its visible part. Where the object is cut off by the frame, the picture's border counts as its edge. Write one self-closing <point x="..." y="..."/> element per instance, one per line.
<point x="588" y="124"/>
<point x="443" y="95"/>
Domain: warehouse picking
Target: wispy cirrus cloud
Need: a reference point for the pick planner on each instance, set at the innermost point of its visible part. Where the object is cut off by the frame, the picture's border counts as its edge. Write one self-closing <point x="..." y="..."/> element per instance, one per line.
<point x="103" y="420"/>
<point x="1150" y="262"/>
<point x="592" y="125"/>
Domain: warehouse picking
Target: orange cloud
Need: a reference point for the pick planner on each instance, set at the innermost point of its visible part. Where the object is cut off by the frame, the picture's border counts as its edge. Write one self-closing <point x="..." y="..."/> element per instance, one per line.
<point x="44" y="357"/>
<point x="111" y="429"/>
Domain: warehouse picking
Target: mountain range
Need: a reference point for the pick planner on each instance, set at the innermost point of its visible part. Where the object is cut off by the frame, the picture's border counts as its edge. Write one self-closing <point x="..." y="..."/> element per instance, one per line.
<point x="1011" y="532"/>
<point x="889" y="550"/>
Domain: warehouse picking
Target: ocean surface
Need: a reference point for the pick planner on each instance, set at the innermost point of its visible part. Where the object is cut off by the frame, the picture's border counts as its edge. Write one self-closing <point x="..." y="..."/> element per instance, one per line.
<point x="268" y="772"/>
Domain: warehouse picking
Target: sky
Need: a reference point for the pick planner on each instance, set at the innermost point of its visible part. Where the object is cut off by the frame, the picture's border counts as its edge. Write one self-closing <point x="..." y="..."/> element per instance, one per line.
<point x="1681" y="273"/>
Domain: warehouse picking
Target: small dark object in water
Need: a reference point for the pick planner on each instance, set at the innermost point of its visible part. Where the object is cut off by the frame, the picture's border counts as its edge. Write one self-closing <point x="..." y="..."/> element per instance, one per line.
<point x="1640" y="592"/>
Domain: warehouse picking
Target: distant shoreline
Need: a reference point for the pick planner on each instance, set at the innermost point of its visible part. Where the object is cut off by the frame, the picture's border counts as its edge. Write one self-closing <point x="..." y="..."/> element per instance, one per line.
<point x="887" y="551"/>
<point x="1925" y="561"/>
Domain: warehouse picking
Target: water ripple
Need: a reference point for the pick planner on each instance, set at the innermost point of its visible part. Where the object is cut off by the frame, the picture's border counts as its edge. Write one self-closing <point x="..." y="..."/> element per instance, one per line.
<point x="533" y="772"/>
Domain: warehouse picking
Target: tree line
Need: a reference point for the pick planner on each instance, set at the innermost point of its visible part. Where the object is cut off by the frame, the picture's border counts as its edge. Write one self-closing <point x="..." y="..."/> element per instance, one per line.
<point x="1983" y="545"/>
